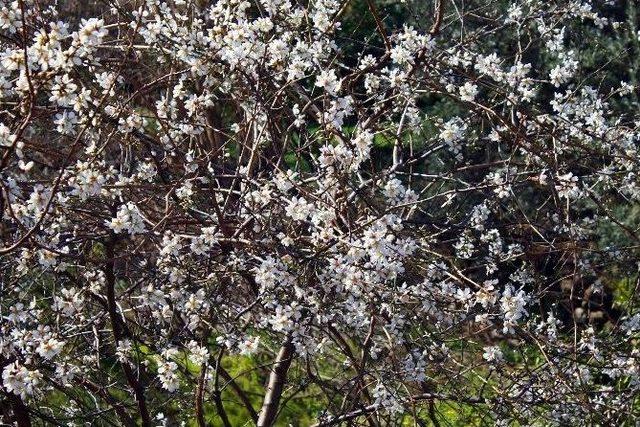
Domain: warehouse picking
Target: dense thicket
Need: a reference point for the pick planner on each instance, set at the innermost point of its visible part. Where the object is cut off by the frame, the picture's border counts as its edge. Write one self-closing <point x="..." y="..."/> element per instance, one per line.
<point x="324" y="212"/>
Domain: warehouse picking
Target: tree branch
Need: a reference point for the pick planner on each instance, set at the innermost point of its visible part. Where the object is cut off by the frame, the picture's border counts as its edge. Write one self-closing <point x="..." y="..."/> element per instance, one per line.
<point x="110" y="282"/>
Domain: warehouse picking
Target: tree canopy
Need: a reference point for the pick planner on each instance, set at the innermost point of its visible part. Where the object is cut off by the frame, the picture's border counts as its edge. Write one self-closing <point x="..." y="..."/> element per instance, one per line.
<point x="319" y="212"/>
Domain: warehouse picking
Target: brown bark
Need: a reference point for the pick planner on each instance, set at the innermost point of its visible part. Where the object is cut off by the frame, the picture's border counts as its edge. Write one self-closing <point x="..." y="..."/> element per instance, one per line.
<point x="16" y="412"/>
<point x="277" y="381"/>
<point x="110" y="282"/>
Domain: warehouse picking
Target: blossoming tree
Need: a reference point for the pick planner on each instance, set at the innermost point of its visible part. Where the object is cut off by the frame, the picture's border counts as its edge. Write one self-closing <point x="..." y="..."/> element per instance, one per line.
<point x="215" y="210"/>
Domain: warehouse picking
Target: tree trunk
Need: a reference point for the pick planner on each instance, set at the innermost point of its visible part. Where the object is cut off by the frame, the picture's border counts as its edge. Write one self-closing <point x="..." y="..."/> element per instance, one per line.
<point x="277" y="380"/>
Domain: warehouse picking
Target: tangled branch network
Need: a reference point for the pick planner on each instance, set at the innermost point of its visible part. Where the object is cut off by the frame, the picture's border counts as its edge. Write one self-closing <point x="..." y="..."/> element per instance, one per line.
<point x="319" y="212"/>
